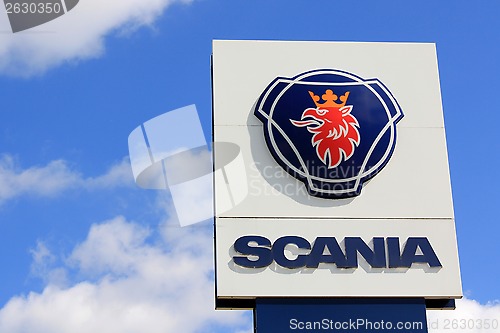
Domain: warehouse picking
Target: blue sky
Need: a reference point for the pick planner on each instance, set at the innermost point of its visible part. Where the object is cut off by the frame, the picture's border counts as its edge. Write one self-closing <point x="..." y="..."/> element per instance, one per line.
<point x="72" y="90"/>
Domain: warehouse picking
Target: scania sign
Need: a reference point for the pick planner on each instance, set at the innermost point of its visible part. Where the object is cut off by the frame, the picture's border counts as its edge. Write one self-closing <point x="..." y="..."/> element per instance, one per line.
<point x="343" y="186"/>
<point x="258" y="252"/>
<point x="329" y="128"/>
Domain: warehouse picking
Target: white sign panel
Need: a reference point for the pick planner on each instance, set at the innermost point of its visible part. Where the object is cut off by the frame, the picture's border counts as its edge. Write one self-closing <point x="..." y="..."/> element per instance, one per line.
<point x="346" y="172"/>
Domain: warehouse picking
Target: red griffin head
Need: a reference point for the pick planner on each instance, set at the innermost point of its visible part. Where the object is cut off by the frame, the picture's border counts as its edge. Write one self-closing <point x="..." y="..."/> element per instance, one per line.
<point x="334" y="128"/>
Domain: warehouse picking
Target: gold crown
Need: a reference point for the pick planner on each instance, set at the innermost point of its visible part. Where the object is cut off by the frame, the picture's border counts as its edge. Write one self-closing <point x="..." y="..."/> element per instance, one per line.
<point x="330" y="99"/>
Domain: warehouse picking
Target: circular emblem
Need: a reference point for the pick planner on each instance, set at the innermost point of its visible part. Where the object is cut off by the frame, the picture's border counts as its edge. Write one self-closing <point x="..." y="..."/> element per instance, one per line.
<point x="330" y="129"/>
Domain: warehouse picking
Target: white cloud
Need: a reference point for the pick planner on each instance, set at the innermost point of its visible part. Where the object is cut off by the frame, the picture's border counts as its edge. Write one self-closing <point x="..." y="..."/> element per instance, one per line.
<point x="469" y="317"/>
<point x="55" y="178"/>
<point x="141" y="288"/>
<point x="77" y="35"/>
<point x="119" y="174"/>
<point x="47" y="180"/>
<point x="112" y="247"/>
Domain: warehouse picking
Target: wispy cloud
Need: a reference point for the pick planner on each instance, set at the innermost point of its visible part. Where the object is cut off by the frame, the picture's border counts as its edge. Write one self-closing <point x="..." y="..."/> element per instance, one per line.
<point x="138" y="287"/>
<point x="55" y="178"/>
<point x="46" y="180"/>
<point x="78" y="35"/>
<point x="469" y="316"/>
<point x="119" y="174"/>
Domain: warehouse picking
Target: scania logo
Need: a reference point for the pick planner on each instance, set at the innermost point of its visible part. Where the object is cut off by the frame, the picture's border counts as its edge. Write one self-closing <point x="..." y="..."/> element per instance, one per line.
<point x="330" y="129"/>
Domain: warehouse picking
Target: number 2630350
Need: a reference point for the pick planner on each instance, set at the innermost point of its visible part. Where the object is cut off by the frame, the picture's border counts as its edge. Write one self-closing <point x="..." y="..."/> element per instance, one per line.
<point x="33" y="8"/>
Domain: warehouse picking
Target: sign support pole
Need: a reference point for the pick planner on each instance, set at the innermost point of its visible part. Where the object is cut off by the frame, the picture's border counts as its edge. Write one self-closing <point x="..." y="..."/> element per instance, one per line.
<point x="340" y="314"/>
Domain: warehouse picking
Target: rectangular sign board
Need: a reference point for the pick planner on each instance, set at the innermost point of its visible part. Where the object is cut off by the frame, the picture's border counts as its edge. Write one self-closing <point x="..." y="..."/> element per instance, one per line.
<point x="342" y="186"/>
<point x="343" y="315"/>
